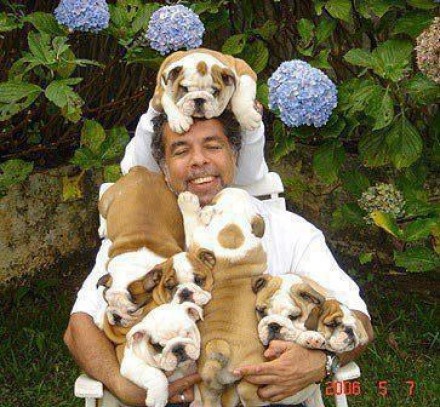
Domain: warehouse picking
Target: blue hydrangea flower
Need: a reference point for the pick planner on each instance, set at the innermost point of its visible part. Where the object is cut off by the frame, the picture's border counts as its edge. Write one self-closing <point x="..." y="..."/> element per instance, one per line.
<point x="174" y="27"/>
<point x="83" y="15"/>
<point x="304" y="95"/>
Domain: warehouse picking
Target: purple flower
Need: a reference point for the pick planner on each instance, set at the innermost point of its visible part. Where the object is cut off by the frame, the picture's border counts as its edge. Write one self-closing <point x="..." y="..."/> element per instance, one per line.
<point x="174" y="27"/>
<point x="83" y="15"/>
<point x="304" y="95"/>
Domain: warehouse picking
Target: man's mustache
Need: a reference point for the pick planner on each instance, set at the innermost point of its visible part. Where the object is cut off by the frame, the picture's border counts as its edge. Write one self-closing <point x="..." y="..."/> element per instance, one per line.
<point x="206" y="172"/>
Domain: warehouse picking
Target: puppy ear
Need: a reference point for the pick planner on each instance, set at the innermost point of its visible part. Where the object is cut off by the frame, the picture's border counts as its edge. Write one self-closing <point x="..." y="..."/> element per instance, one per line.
<point x="307" y="293"/>
<point x="106" y="280"/>
<point x="311" y="323"/>
<point x="258" y="283"/>
<point x="173" y="74"/>
<point x="228" y="77"/>
<point x="258" y="226"/>
<point x="207" y="257"/>
<point x="193" y="311"/>
<point x="152" y="278"/>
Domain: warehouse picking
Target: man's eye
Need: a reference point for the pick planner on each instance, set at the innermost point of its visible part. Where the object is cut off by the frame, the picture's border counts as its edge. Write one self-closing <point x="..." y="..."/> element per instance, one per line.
<point x="157" y="347"/>
<point x="214" y="147"/>
<point x="180" y="152"/>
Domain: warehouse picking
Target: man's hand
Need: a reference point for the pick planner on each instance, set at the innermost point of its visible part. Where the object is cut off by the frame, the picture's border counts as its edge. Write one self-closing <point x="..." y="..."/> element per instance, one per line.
<point x="184" y="386"/>
<point x="291" y="368"/>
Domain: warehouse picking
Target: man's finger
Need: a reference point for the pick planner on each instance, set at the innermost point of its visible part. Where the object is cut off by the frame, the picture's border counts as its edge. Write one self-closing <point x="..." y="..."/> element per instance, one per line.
<point x="276" y="349"/>
<point x="267" y="368"/>
<point x="184" y="383"/>
<point x="188" y="395"/>
<point x="262" y="379"/>
<point x="271" y="391"/>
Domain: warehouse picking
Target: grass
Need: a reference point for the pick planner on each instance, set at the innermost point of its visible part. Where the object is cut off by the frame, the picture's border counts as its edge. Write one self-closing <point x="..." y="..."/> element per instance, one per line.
<point x="36" y="369"/>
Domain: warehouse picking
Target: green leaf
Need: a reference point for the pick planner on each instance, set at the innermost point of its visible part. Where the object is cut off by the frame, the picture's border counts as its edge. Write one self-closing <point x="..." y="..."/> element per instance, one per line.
<point x="61" y="94"/>
<point x="327" y="161"/>
<point x="381" y="108"/>
<point x="374" y="150"/>
<point x="340" y="9"/>
<point x="112" y="173"/>
<point x="263" y="94"/>
<point x="416" y="207"/>
<point x="321" y="60"/>
<point x="92" y="135"/>
<point x="391" y="59"/>
<point x="72" y="188"/>
<point x="86" y="159"/>
<point x="348" y="215"/>
<point x="8" y="23"/>
<point x="405" y="143"/>
<point x="423" y="4"/>
<point x="419" y="229"/>
<point x="355" y="182"/>
<point x="15" y="97"/>
<point x="45" y="23"/>
<point x="268" y="30"/>
<point x="387" y="222"/>
<point x="39" y="45"/>
<point x="358" y="57"/>
<point x="305" y="28"/>
<point x="256" y="55"/>
<point x="365" y="258"/>
<point x="114" y="145"/>
<point x="324" y="29"/>
<point x="283" y="143"/>
<point x="413" y="23"/>
<point x="334" y="127"/>
<point x="422" y="90"/>
<point x="417" y="259"/>
<point x="14" y="172"/>
<point x="368" y="8"/>
<point x="234" y="44"/>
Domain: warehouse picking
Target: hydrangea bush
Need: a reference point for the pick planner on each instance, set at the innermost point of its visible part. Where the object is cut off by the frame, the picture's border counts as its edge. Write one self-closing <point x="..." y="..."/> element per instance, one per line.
<point x="174" y="27"/>
<point x="355" y="82"/>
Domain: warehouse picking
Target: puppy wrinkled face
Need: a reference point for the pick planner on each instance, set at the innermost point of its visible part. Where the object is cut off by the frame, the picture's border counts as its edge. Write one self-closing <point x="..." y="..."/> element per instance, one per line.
<point x="200" y="88"/>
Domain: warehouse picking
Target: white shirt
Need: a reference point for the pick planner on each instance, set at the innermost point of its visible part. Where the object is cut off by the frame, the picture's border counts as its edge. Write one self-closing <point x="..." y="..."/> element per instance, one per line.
<point x="292" y="244"/>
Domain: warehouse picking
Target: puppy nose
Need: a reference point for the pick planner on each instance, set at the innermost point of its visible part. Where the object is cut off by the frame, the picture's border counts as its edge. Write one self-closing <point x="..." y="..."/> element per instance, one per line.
<point x="179" y="352"/>
<point x="117" y="318"/>
<point x="349" y="331"/>
<point x="199" y="102"/>
<point x="185" y="294"/>
<point x="274" y="327"/>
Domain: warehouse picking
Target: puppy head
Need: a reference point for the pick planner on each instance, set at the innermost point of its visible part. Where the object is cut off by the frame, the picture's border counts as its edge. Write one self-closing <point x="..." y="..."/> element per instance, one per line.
<point x="167" y="337"/>
<point x="339" y="326"/>
<point x="283" y="305"/>
<point x="200" y="86"/>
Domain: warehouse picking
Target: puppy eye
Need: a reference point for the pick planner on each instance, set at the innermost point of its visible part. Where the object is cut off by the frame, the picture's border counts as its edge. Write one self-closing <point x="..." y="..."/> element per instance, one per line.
<point x="216" y="92"/>
<point x="184" y="88"/>
<point x="170" y="285"/>
<point x="332" y="324"/>
<point x="293" y="317"/>
<point x="157" y="347"/>
<point x="199" y="280"/>
<point x="261" y="311"/>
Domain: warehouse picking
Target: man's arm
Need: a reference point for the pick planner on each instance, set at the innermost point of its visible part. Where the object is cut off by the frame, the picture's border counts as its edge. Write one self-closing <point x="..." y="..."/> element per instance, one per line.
<point x="95" y="354"/>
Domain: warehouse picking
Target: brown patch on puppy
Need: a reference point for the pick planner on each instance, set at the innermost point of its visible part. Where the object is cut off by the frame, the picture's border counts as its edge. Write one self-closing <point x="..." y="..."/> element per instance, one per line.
<point x="265" y="287"/>
<point x="312" y="321"/>
<point x="231" y="237"/>
<point x="329" y="317"/>
<point x="202" y="68"/>
<point x="304" y="293"/>
<point x="222" y="77"/>
<point x="166" y="288"/>
<point x="106" y="281"/>
<point x="258" y="226"/>
<point x="174" y="74"/>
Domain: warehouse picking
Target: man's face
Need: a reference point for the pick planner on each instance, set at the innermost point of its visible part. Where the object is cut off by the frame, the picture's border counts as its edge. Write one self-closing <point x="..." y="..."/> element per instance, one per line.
<point x="200" y="161"/>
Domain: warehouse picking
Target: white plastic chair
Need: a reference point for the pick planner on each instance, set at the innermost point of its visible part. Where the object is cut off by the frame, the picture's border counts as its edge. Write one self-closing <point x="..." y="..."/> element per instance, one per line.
<point x="268" y="189"/>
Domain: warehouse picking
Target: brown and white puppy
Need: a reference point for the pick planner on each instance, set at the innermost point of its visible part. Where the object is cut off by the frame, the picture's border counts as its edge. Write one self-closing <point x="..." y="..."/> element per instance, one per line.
<point x="284" y="304"/>
<point x="338" y="325"/>
<point x="202" y="83"/>
<point x="145" y="227"/>
<point x="232" y="229"/>
<point x="165" y="343"/>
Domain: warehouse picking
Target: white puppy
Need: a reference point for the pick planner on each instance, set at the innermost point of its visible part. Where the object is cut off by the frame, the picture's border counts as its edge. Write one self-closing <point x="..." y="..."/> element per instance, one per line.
<point x="165" y="342"/>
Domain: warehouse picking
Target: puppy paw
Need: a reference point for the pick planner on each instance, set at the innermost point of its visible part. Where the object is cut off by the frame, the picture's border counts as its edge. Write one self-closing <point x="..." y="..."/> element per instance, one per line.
<point x="188" y="202"/>
<point x="248" y="118"/>
<point x="312" y="340"/>
<point x="179" y="123"/>
<point x="206" y="214"/>
<point x="156" y="398"/>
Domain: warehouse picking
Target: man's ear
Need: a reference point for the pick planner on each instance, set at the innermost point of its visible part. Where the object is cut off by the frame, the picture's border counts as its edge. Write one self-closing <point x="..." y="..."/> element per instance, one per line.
<point x="152" y="278"/>
<point x="207" y="257"/>
<point x="106" y="280"/>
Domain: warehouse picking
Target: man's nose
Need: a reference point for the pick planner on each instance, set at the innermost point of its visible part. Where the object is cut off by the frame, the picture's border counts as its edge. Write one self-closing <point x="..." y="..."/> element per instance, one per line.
<point x="198" y="158"/>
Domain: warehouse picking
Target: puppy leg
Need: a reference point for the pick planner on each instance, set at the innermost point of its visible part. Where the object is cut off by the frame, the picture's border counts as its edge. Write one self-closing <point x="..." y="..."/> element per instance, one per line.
<point x="230" y="397"/>
<point x="190" y="207"/>
<point x="210" y="397"/>
<point x="315" y="400"/>
<point x="218" y="353"/>
<point x="178" y="122"/>
<point x="247" y="392"/>
<point x="242" y="104"/>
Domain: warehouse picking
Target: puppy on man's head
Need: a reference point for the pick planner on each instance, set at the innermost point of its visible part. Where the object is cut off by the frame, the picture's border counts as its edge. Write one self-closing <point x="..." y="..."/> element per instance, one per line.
<point x="203" y="83"/>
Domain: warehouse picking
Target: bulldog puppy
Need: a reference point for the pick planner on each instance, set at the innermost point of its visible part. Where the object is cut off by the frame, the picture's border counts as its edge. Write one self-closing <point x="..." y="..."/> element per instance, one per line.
<point x="232" y="229"/>
<point x="284" y="304"/>
<point x="145" y="227"/>
<point x="338" y="325"/>
<point x="202" y="83"/>
<point x="165" y="343"/>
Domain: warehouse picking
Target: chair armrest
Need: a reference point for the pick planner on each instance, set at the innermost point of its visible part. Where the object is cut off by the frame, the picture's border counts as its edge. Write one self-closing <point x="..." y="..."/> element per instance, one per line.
<point x="348" y="372"/>
<point x="86" y="387"/>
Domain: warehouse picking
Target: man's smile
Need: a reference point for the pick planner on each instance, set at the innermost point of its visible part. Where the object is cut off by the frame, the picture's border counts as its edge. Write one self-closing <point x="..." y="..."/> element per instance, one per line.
<point x="204" y="183"/>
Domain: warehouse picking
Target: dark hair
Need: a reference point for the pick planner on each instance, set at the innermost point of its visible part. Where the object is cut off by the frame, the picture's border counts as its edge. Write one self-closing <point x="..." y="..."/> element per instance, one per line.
<point x="227" y="119"/>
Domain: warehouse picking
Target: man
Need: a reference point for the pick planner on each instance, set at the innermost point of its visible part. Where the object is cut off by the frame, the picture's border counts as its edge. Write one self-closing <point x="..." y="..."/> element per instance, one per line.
<point x="203" y="161"/>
